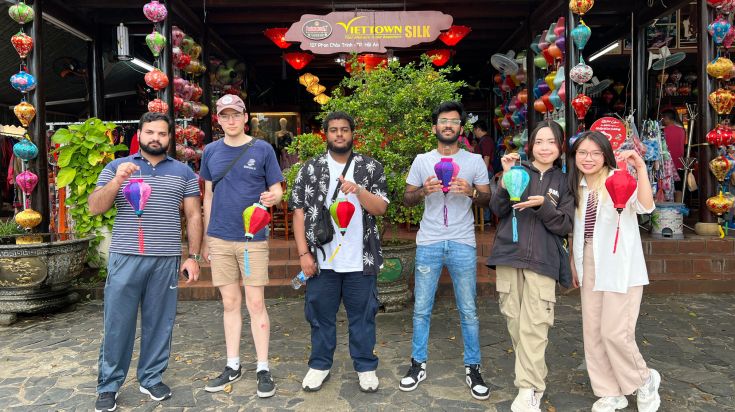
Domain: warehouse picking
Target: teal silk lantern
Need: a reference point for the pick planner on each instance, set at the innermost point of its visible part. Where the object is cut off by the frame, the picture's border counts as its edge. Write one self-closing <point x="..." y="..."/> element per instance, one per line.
<point x="516" y="180"/>
<point x="25" y="150"/>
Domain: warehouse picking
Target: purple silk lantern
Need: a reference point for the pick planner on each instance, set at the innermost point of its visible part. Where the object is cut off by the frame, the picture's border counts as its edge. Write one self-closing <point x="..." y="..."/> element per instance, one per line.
<point x="446" y="170"/>
<point x="137" y="193"/>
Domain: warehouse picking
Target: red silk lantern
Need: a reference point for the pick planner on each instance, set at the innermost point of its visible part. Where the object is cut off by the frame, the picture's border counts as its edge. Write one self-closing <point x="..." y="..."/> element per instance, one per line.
<point x="581" y="104"/>
<point x="23" y="44"/>
<point x="158" y="106"/>
<point x="369" y="61"/>
<point x="539" y="106"/>
<point x="156" y="79"/>
<point x="523" y="96"/>
<point x="298" y="60"/>
<point x="720" y="136"/>
<point x="439" y="57"/>
<point x="278" y="36"/>
<point x="546" y="99"/>
<point x="621" y="186"/>
<point x="454" y="35"/>
<point x="555" y="51"/>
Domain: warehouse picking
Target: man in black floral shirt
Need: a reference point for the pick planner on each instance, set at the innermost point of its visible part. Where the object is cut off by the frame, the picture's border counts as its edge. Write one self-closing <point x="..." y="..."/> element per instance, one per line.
<point x="346" y="269"/>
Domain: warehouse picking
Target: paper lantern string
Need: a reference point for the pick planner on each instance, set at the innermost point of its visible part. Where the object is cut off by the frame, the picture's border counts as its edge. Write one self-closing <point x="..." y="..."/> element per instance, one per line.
<point x="254" y="219"/>
<point x="446" y="170"/>
<point x="341" y="211"/>
<point x="137" y="192"/>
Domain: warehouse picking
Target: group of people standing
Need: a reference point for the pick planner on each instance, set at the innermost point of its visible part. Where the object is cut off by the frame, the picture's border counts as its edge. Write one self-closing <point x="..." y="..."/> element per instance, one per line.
<point x="239" y="171"/>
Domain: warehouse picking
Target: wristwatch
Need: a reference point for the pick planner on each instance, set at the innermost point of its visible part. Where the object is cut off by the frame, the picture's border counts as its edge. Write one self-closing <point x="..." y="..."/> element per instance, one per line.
<point x="196" y="257"/>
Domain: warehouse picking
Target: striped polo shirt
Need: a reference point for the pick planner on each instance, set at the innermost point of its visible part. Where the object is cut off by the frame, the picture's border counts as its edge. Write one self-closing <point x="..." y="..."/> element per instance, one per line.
<point x="171" y="181"/>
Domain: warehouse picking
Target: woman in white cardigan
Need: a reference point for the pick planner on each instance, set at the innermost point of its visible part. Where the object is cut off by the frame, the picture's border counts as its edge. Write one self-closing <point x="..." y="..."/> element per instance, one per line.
<point x="611" y="283"/>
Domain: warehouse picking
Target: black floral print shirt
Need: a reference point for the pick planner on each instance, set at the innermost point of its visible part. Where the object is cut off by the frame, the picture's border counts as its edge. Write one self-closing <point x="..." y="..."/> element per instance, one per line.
<point x="310" y="190"/>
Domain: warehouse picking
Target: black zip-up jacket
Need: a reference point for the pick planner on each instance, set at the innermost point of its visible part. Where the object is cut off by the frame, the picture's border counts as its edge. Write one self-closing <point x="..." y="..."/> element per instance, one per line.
<point x="536" y="248"/>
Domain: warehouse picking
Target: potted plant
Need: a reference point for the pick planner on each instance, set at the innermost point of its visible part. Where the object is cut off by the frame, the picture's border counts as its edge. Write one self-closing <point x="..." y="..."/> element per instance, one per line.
<point x="392" y="106"/>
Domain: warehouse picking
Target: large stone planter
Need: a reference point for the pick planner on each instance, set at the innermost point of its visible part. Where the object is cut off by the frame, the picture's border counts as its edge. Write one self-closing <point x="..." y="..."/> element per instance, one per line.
<point x="399" y="257"/>
<point x="36" y="272"/>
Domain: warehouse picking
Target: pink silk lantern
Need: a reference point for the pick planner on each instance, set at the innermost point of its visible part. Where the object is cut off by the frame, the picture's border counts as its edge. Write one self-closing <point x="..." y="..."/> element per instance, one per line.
<point x="137" y="192"/>
<point x="27" y="181"/>
<point x="155" y="11"/>
<point x="446" y="170"/>
<point x="621" y="186"/>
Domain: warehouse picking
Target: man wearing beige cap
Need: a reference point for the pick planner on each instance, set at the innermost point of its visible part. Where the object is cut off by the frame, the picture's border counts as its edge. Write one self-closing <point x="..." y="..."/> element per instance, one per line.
<point x="238" y="171"/>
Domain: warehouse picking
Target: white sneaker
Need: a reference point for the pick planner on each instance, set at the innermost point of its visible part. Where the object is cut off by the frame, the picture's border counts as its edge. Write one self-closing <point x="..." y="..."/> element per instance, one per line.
<point x="647" y="398"/>
<point x="527" y="400"/>
<point x="314" y="379"/>
<point x="610" y="404"/>
<point x="368" y="381"/>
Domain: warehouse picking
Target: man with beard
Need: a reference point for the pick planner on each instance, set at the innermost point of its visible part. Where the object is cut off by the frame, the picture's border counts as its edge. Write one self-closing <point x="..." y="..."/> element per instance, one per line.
<point x="147" y="276"/>
<point x="446" y="238"/>
<point x="239" y="171"/>
<point x="340" y="274"/>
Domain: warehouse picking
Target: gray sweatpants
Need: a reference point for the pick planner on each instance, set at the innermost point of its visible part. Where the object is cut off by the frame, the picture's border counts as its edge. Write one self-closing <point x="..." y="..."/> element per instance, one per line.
<point x="148" y="282"/>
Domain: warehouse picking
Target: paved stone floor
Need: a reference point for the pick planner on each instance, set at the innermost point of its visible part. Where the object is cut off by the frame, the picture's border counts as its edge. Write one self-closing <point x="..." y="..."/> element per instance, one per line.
<point x="49" y="363"/>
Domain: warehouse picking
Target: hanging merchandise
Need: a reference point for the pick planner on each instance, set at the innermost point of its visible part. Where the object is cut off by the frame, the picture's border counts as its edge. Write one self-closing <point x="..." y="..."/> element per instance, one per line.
<point x="580" y="6"/>
<point x="23" y="81"/>
<point x="446" y="170"/>
<point x="722" y="100"/>
<point x="177" y="36"/>
<point x="719" y="68"/>
<point x="516" y="180"/>
<point x="718" y="29"/>
<point x="278" y="36"/>
<point x="155" y="11"/>
<point x="21" y="13"/>
<point x="341" y="211"/>
<point x="28" y="219"/>
<point x="254" y="219"/>
<point x="22" y="43"/>
<point x="307" y="79"/>
<point x="26" y="181"/>
<point x="137" y="192"/>
<point x="158" y="106"/>
<point x="156" y="79"/>
<point x="581" y="104"/>
<point x="322" y="99"/>
<point x="581" y="73"/>
<point x="720" y="166"/>
<point x="621" y="186"/>
<point x="581" y="35"/>
<point x="25" y="149"/>
<point x="719" y="205"/>
<point x="156" y="42"/>
<point x="25" y="112"/>
<point x="721" y="135"/>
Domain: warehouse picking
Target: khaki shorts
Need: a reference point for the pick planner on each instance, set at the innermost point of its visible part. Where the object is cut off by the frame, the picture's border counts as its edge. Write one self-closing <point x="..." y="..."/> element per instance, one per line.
<point x="227" y="259"/>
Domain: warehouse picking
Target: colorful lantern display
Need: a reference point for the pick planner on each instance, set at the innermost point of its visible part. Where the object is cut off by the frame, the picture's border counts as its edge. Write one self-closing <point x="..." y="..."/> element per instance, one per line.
<point x="254" y="219"/>
<point x="278" y="36"/>
<point x="23" y="81"/>
<point x="439" y="57"/>
<point x="155" y="11"/>
<point x="25" y="112"/>
<point x="454" y="35"/>
<point x="26" y="181"/>
<point x="516" y="180"/>
<point x="621" y="186"/>
<point x="21" y="13"/>
<point x="22" y="43"/>
<point x="581" y="104"/>
<point x="25" y="149"/>
<point x="722" y="101"/>
<point x="156" y="79"/>
<point x="137" y="192"/>
<point x="445" y="170"/>
<point x="580" y="6"/>
<point x="720" y="68"/>
<point x="719" y="166"/>
<point x="298" y="60"/>
<point x="28" y="219"/>
<point x="156" y="42"/>
<point x="341" y="211"/>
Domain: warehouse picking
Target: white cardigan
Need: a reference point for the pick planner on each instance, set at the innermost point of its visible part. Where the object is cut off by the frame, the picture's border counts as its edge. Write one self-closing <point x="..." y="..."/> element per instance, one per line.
<point x="627" y="267"/>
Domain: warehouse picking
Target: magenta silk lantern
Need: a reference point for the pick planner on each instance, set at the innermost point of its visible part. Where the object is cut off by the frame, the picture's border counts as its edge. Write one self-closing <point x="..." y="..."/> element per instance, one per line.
<point x="137" y="192"/>
<point x="27" y="181"/>
<point x="446" y="170"/>
<point x="155" y="11"/>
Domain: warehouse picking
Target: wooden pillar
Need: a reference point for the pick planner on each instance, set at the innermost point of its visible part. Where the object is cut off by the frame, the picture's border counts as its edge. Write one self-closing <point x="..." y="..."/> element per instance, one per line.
<point x="206" y="125"/>
<point x="168" y="68"/>
<point x="96" y="75"/>
<point x="640" y="69"/>
<point x="571" y="59"/>
<point x="707" y="117"/>
<point x="37" y="128"/>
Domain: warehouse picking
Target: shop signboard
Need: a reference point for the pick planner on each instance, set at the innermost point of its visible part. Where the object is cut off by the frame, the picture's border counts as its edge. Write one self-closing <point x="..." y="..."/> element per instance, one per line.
<point x="366" y="31"/>
<point x="612" y="128"/>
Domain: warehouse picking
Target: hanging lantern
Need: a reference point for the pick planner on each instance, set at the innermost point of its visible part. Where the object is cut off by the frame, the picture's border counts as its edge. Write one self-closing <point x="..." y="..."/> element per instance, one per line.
<point x="316" y="89"/>
<point x="539" y="106"/>
<point x="719" y="204"/>
<point x="321" y="98"/>
<point x="445" y="170"/>
<point x="540" y="62"/>
<point x="26" y="181"/>
<point x="621" y="186"/>
<point x="137" y="192"/>
<point x="21" y="13"/>
<point x="718" y="29"/>
<point x="25" y="149"/>
<point x="722" y="101"/>
<point x="158" y="106"/>
<point x="155" y="11"/>
<point x="197" y="92"/>
<point x="278" y="36"/>
<point x="23" y="44"/>
<point x="580" y="73"/>
<point x="581" y="104"/>
<point x="28" y="219"/>
<point x="719" y="166"/>
<point x="523" y="96"/>
<point x="187" y="44"/>
<point x="516" y="180"/>
<point x="549" y="80"/>
<point x="181" y="59"/>
<point x="555" y="51"/>
<point x="25" y="112"/>
<point x="195" y="67"/>
<point x="720" y="68"/>
<point x="371" y="61"/>
<point x="439" y="57"/>
<point x="156" y="42"/>
<point x="23" y="81"/>
<point x="195" y="51"/>
<point x="684" y="89"/>
<point x="156" y="79"/>
<point x="298" y="60"/>
<point x="307" y="79"/>
<point x="341" y="211"/>
<point x="670" y="89"/>
<point x="454" y="35"/>
<point x="177" y="36"/>
<point x="254" y="219"/>
<point x="581" y="35"/>
<point x="721" y="135"/>
<point x="580" y="6"/>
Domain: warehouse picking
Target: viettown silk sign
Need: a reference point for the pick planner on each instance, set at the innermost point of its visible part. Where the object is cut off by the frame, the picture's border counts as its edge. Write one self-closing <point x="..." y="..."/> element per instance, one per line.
<point x="367" y="31"/>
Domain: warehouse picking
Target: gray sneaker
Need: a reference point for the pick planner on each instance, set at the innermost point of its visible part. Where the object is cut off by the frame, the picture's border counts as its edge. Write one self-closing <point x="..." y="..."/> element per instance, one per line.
<point x="157" y="392"/>
<point x="227" y="377"/>
<point x="266" y="385"/>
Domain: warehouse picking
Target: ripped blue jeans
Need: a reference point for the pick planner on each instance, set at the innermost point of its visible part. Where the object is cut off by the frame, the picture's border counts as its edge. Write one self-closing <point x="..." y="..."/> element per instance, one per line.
<point x="461" y="261"/>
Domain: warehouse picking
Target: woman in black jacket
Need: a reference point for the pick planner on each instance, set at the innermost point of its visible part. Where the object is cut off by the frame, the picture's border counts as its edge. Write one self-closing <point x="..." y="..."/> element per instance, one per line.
<point x="527" y="270"/>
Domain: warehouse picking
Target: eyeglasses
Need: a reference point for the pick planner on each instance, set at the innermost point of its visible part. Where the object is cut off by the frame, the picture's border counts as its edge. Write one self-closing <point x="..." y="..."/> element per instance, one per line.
<point x="228" y="117"/>
<point x="453" y="122"/>
<point x="595" y="155"/>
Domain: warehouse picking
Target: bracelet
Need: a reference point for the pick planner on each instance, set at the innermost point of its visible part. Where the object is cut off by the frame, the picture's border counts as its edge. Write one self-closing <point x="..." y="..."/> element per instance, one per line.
<point x="303" y="254"/>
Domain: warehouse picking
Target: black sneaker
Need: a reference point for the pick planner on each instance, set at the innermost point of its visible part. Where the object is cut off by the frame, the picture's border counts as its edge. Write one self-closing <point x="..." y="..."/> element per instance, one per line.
<point x="157" y="392"/>
<point x="266" y="386"/>
<point x="474" y="380"/>
<point x="416" y="374"/>
<point x="106" y="402"/>
<point x="225" y="378"/>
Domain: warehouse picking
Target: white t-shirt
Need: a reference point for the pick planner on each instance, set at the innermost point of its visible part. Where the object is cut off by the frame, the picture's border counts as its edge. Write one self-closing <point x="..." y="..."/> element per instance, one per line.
<point x="349" y="256"/>
<point x="460" y="221"/>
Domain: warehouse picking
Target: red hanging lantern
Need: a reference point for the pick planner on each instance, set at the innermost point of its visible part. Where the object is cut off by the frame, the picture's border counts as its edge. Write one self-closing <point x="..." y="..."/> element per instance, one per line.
<point x="157" y="105"/>
<point x="298" y="60"/>
<point x="439" y="57"/>
<point x="581" y="104"/>
<point x="156" y="79"/>
<point x="720" y="136"/>
<point x="278" y="36"/>
<point x="23" y="44"/>
<point x="369" y="61"/>
<point x="454" y="35"/>
<point x="621" y="186"/>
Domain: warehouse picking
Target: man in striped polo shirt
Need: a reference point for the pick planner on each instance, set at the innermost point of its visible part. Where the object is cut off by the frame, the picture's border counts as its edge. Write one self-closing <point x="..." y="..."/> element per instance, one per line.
<point x="147" y="278"/>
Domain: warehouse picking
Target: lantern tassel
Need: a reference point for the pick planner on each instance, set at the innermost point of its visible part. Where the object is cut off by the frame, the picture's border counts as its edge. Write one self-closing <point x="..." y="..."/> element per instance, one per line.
<point x="141" y="239"/>
<point x="446" y="219"/>
<point x="515" y="227"/>
<point x="331" y="258"/>
<point x="617" y="232"/>
<point x="722" y="232"/>
<point x="246" y="260"/>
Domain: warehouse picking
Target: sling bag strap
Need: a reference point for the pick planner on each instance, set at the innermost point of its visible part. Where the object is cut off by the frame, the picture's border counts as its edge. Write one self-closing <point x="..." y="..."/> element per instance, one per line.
<point x="245" y="148"/>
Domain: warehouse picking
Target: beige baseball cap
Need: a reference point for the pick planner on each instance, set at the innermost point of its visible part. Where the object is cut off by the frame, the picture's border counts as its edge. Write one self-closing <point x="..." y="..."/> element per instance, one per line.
<point x="230" y="101"/>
